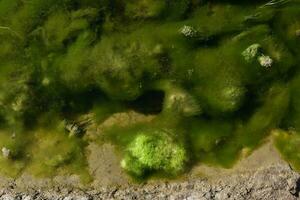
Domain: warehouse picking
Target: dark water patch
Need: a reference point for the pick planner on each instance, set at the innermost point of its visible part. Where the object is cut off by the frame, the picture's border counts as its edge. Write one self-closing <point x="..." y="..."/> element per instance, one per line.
<point x="150" y="102"/>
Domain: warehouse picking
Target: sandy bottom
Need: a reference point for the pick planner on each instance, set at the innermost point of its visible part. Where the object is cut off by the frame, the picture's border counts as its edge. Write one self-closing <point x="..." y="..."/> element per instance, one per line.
<point x="104" y="161"/>
<point x="109" y="180"/>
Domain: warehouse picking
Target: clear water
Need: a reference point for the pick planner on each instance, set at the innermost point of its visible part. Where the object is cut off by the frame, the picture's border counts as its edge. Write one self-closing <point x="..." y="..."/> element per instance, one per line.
<point x="219" y="77"/>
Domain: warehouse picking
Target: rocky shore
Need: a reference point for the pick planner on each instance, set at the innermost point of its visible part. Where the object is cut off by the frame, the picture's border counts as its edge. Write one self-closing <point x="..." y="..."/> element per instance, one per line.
<point x="276" y="182"/>
<point x="262" y="175"/>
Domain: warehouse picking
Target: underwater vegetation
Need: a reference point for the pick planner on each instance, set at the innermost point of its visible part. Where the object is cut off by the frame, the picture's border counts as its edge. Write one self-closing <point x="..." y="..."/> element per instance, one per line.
<point x="154" y="151"/>
<point x="219" y="76"/>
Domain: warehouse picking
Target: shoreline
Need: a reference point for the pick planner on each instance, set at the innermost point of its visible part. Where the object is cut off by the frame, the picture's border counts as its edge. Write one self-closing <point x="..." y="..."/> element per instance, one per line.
<point x="262" y="175"/>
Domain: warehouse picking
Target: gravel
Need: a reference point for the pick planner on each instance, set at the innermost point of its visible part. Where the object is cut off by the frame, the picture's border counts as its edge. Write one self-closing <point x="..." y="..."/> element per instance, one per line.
<point x="274" y="182"/>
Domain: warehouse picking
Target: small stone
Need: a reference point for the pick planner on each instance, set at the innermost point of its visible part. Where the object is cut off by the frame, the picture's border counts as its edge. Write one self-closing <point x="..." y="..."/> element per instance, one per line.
<point x="68" y="198"/>
<point x="7" y="197"/>
<point x="5" y="152"/>
<point x="265" y="61"/>
<point x="28" y="198"/>
<point x="298" y="33"/>
<point x="221" y="195"/>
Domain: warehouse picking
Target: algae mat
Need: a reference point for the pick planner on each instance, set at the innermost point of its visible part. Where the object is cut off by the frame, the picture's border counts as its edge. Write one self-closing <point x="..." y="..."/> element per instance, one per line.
<point x="263" y="175"/>
<point x="145" y="90"/>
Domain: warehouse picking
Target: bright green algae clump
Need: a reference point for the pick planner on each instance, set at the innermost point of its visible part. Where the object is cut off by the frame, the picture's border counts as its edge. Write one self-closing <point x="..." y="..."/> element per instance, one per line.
<point x="155" y="152"/>
<point x="219" y="76"/>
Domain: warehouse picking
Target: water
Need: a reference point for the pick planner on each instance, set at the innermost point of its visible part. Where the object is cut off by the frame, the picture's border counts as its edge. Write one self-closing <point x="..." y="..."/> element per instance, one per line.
<point x="218" y="77"/>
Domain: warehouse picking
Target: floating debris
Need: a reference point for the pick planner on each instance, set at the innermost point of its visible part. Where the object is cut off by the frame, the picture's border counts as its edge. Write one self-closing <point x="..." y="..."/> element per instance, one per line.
<point x="76" y="128"/>
<point x="275" y="3"/>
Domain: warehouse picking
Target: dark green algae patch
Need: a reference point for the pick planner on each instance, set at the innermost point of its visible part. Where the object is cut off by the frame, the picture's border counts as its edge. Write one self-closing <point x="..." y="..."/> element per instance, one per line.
<point x="219" y="76"/>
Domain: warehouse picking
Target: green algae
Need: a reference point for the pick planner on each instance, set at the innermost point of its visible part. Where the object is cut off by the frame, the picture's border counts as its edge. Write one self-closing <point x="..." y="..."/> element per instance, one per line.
<point x="287" y="142"/>
<point x="155" y="151"/>
<point x="63" y="59"/>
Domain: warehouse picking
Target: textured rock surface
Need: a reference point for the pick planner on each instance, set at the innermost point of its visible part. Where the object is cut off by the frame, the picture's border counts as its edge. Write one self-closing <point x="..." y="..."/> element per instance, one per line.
<point x="273" y="182"/>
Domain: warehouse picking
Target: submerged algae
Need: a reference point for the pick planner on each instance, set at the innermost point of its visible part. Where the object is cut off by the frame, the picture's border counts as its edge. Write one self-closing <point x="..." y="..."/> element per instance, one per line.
<point x="62" y="59"/>
<point x="154" y="152"/>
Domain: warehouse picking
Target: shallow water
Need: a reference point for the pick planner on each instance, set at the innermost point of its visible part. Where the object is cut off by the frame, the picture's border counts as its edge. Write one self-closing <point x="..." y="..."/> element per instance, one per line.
<point x="216" y="77"/>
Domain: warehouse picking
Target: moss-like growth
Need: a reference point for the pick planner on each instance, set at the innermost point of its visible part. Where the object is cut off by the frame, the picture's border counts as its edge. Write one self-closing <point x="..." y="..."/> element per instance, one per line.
<point x="125" y="62"/>
<point x="56" y="151"/>
<point x="154" y="152"/>
<point x="220" y="74"/>
<point x="13" y="145"/>
<point x="220" y="86"/>
<point x="251" y="52"/>
<point x="178" y="101"/>
<point x="293" y="116"/>
<point x="287" y="142"/>
<point x="287" y="24"/>
<point x="156" y="8"/>
<point x="144" y="8"/>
